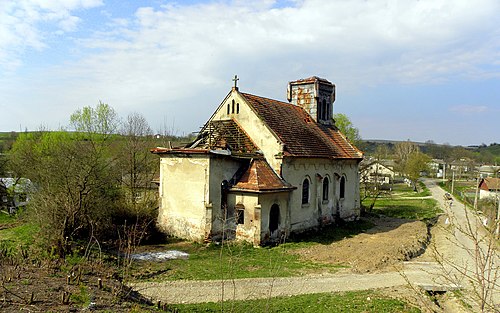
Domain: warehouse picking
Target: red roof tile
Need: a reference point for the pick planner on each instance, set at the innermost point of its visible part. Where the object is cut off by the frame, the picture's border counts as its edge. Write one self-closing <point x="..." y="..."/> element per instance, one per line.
<point x="490" y="183"/>
<point x="260" y="177"/>
<point x="301" y="135"/>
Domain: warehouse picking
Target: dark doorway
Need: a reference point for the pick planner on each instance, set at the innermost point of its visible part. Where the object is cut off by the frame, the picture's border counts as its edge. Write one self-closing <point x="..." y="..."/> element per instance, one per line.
<point x="274" y="218"/>
<point x="224" y="188"/>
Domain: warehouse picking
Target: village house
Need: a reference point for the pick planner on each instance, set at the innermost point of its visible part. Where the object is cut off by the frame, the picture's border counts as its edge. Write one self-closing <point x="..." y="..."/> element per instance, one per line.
<point x="261" y="169"/>
<point x="489" y="187"/>
<point x="489" y="171"/>
<point x="376" y="172"/>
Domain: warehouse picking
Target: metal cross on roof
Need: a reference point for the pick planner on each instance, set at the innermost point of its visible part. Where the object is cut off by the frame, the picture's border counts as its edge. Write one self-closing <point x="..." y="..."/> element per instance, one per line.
<point x="235" y="80"/>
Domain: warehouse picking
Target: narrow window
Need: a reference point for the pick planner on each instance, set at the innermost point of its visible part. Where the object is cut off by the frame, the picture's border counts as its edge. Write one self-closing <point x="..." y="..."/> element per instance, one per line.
<point x="326" y="186"/>
<point x="232" y="108"/>
<point x="224" y="186"/>
<point x="325" y="110"/>
<point x="237" y="107"/>
<point x="305" y="191"/>
<point x="228" y="108"/>
<point x="240" y="214"/>
<point x="342" y="187"/>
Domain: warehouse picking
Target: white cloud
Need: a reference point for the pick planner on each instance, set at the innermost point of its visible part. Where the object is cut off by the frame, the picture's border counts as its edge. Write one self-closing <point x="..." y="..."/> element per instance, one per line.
<point x="21" y="22"/>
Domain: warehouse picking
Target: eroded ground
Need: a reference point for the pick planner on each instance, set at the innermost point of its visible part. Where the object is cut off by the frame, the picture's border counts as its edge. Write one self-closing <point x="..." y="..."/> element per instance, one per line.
<point x="390" y="241"/>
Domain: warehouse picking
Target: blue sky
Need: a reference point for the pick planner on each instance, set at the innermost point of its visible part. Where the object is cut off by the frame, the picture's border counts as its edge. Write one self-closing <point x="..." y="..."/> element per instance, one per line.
<point x="419" y="70"/>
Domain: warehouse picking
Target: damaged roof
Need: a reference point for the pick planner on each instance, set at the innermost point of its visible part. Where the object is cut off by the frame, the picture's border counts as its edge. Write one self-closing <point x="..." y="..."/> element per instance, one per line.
<point x="260" y="177"/>
<point x="301" y="135"/>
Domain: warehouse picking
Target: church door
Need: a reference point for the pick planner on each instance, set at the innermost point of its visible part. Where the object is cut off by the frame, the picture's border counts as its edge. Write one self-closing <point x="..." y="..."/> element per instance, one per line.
<point x="274" y="218"/>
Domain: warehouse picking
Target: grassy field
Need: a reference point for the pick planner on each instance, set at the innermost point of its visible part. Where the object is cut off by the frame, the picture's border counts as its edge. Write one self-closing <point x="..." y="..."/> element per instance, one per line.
<point x="237" y="260"/>
<point x="349" y="302"/>
<point x="405" y="203"/>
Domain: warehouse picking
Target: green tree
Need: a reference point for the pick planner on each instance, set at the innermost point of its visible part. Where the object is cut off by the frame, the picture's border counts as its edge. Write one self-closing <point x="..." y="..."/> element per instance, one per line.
<point x="346" y="127"/>
<point x="416" y="163"/>
<point x="75" y="175"/>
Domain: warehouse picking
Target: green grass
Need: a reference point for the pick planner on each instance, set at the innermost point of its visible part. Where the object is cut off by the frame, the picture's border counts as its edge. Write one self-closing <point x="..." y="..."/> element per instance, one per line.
<point x="6" y="219"/>
<point x="231" y="261"/>
<point x="19" y="236"/>
<point x="82" y="297"/>
<point x="403" y="190"/>
<point x="403" y="202"/>
<point x="415" y="209"/>
<point x="238" y="260"/>
<point x="349" y="302"/>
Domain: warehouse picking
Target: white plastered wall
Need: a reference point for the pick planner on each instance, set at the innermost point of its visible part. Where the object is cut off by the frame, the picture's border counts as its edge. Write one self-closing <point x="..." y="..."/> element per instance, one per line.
<point x="183" y="195"/>
<point x="319" y="211"/>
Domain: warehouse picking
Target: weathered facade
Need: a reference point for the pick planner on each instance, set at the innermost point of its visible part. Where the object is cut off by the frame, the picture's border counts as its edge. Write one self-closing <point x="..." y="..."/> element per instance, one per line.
<point x="261" y="168"/>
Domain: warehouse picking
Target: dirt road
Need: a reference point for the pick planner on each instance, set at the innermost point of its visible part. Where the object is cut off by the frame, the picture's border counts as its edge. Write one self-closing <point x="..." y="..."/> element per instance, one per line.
<point x="468" y="256"/>
<point x="424" y="271"/>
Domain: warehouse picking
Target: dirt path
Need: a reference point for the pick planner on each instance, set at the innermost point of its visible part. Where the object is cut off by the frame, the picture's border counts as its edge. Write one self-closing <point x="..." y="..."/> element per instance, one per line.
<point x="255" y="288"/>
<point x="423" y="271"/>
<point x="461" y="246"/>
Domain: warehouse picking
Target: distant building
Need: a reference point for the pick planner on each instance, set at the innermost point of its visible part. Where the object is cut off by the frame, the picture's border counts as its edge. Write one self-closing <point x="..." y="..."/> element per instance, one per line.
<point x="14" y="193"/>
<point x="437" y="168"/>
<point x="489" y="171"/>
<point x="375" y="171"/>
<point x="489" y="187"/>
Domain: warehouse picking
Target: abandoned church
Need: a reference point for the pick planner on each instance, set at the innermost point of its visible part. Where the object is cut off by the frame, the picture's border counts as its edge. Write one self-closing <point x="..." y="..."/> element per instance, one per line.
<point x="261" y="169"/>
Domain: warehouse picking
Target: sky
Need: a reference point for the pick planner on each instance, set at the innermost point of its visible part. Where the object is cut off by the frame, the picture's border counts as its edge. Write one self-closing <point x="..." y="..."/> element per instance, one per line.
<point x="404" y="70"/>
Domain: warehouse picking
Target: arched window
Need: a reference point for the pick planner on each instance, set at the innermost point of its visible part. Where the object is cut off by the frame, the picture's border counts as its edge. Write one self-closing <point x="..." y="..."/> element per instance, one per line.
<point x="237" y="107"/>
<point x="326" y="186"/>
<point x="228" y="108"/>
<point x="232" y="107"/>
<point x="240" y="214"/>
<point x="305" y="191"/>
<point x="342" y="187"/>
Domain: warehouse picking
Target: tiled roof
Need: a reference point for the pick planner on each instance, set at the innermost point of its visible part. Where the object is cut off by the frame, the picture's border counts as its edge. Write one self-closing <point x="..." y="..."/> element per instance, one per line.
<point x="301" y="135"/>
<point x="491" y="183"/>
<point x="260" y="177"/>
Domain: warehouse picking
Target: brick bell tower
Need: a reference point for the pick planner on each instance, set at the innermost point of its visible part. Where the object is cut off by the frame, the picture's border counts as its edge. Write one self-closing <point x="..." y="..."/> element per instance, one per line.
<point x="316" y="95"/>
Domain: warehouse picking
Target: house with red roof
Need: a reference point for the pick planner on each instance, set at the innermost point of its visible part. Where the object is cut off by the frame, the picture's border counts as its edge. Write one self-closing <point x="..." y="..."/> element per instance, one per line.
<point x="489" y="187"/>
<point x="261" y="169"/>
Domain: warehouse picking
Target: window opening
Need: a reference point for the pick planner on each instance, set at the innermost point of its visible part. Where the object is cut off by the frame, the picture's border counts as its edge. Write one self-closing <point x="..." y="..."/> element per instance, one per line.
<point x="240" y="214"/>
<point x="232" y="107"/>
<point x="326" y="186"/>
<point x="224" y="188"/>
<point x="305" y="191"/>
<point x="342" y="187"/>
<point x="237" y="108"/>
<point x="228" y="108"/>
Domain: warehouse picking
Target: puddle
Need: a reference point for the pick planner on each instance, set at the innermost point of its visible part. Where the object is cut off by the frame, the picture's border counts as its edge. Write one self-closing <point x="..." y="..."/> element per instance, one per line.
<point x="160" y="256"/>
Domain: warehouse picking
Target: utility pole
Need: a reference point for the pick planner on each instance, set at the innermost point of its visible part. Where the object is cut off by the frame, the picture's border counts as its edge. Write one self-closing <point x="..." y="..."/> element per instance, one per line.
<point x="444" y="172"/>
<point x="452" y="181"/>
<point x="477" y="191"/>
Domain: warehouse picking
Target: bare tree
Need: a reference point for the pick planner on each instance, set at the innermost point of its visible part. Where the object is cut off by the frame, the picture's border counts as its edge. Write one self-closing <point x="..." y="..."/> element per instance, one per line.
<point x="402" y="152"/>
